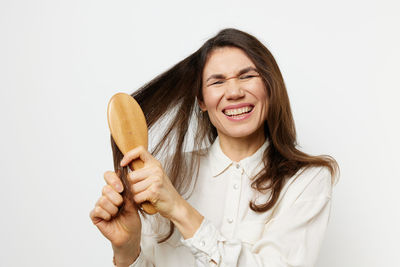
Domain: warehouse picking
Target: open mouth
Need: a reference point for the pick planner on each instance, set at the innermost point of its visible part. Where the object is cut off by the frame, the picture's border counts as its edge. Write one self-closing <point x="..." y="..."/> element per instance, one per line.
<point x="238" y="112"/>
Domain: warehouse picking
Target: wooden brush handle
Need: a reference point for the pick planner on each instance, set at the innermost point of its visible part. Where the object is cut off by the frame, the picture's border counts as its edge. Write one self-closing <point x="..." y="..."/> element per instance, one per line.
<point x="146" y="206"/>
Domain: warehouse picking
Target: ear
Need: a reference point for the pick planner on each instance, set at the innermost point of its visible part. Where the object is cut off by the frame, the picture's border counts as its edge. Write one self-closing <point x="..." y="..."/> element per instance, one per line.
<point x="202" y="105"/>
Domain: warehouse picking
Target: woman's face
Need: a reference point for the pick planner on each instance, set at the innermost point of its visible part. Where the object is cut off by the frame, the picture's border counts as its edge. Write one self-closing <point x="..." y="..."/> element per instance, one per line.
<point x="234" y="94"/>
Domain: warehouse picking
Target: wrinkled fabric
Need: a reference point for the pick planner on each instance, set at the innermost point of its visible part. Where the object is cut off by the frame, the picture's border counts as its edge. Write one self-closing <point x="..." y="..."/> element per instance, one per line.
<point x="231" y="234"/>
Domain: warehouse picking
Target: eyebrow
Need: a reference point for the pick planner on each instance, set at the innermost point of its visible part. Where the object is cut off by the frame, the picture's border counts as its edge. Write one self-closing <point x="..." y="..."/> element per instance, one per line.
<point x="242" y="71"/>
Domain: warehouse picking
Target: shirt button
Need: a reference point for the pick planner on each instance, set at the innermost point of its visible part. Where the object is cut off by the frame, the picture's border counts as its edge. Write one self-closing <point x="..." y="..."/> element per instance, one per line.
<point x="237" y="165"/>
<point x="235" y="186"/>
<point x="230" y="220"/>
<point x="203" y="243"/>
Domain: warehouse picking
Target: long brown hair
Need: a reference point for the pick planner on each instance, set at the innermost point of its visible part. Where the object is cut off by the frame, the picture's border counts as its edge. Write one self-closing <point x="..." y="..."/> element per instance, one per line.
<point x="176" y="92"/>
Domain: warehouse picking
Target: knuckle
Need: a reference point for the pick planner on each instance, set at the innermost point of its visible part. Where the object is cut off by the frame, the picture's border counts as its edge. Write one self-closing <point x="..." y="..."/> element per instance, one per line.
<point x="107" y="216"/>
<point x="136" y="198"/>
<point x="154" y="190"/>
<point x="110" y="192"/>
<point x="105" y="190"/>
<point x="108" y="174"/>
<point x="103" y="201"/>
<point x="97" y="211"/>
<point x="158" y="182"/>
<point x="97" y="203"/>
<point x="157" y="164"/>
<point x="133" y="188"/>
<point x="109" y="189"/>
<point x="114" y="210"/>
<point x="158" y="171"/>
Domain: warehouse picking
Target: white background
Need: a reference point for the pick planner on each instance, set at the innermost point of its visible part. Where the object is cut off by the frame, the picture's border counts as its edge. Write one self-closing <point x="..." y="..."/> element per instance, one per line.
<point x="61" y="61"/>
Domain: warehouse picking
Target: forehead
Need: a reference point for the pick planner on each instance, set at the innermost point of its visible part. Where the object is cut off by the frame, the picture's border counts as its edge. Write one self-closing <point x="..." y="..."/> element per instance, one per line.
<point x="226" y="61"/>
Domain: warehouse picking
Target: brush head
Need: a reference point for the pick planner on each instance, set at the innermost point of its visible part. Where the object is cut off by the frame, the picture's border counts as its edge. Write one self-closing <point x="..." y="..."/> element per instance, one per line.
<point x="127" y="122"/>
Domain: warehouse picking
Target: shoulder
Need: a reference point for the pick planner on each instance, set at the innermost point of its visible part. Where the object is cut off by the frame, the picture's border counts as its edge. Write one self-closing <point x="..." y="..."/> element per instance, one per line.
<point x="311" y="183"/>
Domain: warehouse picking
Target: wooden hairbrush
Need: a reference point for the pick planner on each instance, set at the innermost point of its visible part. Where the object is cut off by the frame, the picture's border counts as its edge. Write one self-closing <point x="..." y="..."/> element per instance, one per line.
<point x="129" y="130"/>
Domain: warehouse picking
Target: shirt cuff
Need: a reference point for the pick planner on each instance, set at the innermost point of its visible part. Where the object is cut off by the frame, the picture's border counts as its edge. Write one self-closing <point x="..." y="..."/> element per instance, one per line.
<point x="204" y="243"/>
<point x="139" y="260"/>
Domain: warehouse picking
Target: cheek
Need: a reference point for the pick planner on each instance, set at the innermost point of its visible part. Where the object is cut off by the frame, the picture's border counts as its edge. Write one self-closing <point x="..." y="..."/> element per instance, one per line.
<point x="210" y="99"/>
<point x="261" y="93"/>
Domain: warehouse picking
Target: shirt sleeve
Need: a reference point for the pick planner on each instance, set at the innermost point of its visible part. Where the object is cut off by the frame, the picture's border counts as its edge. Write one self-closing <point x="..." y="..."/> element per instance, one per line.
<point x="291" y="238"/>
<point x="141" y="261"/>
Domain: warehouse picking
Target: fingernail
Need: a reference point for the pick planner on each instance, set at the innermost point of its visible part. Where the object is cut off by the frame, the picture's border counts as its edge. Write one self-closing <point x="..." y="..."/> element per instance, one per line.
<point x="119" y="188"/>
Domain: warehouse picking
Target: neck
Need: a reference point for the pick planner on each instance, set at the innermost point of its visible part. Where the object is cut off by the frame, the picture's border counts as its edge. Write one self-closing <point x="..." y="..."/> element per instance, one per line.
<point x="238" y="148"/>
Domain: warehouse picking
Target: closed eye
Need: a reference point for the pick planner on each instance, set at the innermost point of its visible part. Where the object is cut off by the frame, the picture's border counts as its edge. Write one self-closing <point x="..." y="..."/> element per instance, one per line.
<point x="248" y="76"/>
<point x="216" y="83"/>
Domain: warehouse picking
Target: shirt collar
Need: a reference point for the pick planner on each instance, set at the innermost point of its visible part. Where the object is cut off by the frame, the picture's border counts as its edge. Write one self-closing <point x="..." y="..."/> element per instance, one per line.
<point x="219" y="162"/>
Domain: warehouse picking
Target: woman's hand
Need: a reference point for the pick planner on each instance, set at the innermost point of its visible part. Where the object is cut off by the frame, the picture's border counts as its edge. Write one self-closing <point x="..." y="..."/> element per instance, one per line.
<point x="123" y="230"/>
<point x="151" y="183"/>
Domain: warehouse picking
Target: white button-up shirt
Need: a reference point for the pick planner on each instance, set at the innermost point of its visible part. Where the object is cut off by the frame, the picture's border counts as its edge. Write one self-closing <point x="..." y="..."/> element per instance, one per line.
<point x="231" y="234"/>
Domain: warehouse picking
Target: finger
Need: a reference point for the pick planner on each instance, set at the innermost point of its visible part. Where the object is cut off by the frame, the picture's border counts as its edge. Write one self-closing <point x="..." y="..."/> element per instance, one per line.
<point x="107" y="205"/>
<point x="137" y="152"/>
<point x="142" y="185"/>
<point x="112" y="195"/>
<point x="114" y="181"/>
<point x="99" y="213"/>
<point x="147" y="195"/>
<point x="141" y="174"/>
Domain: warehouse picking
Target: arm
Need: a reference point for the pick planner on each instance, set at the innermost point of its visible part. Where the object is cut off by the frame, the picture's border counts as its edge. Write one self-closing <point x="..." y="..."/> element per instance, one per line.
<point x="291" y="238"/>
<point x="152" y="184"/>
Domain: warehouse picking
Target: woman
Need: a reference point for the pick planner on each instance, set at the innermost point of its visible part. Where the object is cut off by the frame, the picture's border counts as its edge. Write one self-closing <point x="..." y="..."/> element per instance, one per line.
<point x="245" y="196"/>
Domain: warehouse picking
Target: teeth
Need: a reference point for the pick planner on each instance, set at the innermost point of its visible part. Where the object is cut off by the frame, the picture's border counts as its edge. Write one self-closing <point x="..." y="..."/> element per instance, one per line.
<point x="237" y="111"/>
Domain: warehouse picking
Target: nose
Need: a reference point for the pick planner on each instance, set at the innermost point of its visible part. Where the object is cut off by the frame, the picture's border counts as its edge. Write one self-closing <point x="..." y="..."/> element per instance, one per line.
<point x="234" y="90"/>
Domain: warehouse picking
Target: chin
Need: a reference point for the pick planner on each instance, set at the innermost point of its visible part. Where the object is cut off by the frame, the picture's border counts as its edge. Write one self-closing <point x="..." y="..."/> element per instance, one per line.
<point x="241" y="134"/>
